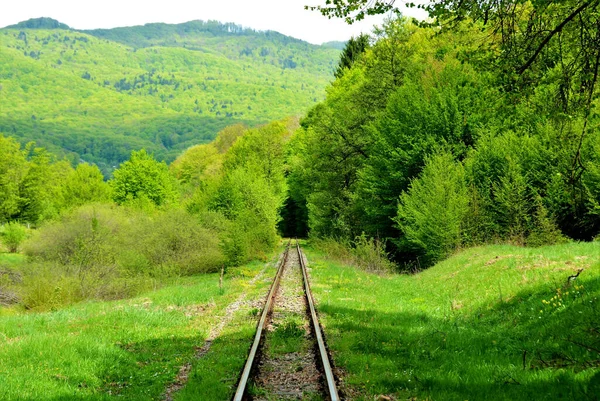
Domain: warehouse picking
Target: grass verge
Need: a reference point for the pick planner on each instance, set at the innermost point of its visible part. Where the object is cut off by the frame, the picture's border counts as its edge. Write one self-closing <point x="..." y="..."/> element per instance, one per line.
<point x="494" y="323"/>
<point x="130" y="349"/>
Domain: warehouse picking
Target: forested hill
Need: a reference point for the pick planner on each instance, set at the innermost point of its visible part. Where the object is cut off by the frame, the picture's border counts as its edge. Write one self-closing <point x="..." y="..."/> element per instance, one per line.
<point x="97" y="95"/>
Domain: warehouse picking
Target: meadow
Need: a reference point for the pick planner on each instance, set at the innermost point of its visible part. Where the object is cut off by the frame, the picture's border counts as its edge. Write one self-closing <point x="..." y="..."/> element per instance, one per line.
<point x="134" y="349"/>
<point x="497" y="322"/>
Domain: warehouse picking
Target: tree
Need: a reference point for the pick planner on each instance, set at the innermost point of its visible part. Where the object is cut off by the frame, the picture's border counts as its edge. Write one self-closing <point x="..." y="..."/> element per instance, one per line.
<point x="431" y="212"/>
<point x="83" y="185"/>
<point x="352" y="51"/>
<point x="13" y="168"/>
<point x="142" y="177"/>
<point x="40" y="190"/>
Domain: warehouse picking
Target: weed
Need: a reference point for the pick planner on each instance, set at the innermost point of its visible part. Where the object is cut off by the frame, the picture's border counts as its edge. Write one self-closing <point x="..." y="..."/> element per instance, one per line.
<point x="291" y="328"/>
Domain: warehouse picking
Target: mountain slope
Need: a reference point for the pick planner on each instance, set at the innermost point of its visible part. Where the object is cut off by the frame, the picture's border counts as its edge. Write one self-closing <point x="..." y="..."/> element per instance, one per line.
<point x="97" y="99"/>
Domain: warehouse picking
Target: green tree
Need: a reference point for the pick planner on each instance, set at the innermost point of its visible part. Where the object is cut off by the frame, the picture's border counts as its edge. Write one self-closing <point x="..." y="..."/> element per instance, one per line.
<point x="354" y="48"/>
<point x="431" y="213"/>
<point x="83" y="185"/>
<point x="143" y="178"/>
<point x="13" y="168"/>
<point x="42" y="185"/>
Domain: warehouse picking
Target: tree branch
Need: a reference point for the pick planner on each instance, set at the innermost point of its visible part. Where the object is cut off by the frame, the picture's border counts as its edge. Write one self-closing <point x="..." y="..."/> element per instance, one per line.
<point x="547" y="39"/>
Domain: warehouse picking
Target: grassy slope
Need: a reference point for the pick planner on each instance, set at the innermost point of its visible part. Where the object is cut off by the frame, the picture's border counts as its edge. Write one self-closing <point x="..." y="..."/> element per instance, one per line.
<point x="459" y="331"/>
<point x="86" y="95"/>
<point x="130" y="349"/>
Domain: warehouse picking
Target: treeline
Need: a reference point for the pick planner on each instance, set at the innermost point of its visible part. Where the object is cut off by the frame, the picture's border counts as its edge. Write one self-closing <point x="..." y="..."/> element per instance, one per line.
<point x="428" y="141"/>
<point x="162" y="34"/>
<point x="106" y="144"/>
<point x="215" y="207"/>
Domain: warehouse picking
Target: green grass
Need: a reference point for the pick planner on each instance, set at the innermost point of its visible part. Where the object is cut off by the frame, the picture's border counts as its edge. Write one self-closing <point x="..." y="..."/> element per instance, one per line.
<point x="130" y="349"/>
<point x="11" y="259"/>
<point x="484" y="324"/>
<point x="288" y="337"/>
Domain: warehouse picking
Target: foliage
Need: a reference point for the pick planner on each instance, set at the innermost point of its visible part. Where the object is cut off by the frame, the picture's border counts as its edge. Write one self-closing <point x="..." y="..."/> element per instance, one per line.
<point x="527" y="165"/>
<point x="105" y="252"/>
<point x="85" y="184"/>
<point x="159" y="87"/>
<point x="431" y="212"/>
<point x="364" y="253"/>
<point x="353" y="10"/>
<point x="13" y="168"/>
<point x="354" y="48"/>
<point x="142" y="177"/>
<point x="13" y="234"/>
<point x="251" y="191"/>
<point x="35" y="186"/>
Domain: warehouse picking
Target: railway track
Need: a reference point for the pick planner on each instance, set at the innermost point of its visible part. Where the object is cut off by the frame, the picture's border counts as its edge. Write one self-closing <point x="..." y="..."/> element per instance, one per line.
<point x="288" y="359"/>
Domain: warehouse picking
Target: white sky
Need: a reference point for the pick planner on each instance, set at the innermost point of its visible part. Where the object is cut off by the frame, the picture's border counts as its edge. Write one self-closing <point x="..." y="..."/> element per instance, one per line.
<point x="285" y="16"/>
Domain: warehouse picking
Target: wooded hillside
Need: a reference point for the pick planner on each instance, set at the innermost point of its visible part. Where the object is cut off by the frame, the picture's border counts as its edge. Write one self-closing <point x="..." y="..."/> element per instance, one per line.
<point x="160" y="87"/>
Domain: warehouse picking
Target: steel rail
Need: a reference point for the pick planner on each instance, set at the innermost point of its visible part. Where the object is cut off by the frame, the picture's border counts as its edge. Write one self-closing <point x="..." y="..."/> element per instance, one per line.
<point x="329" y="378"/>
<point x="241" y="389"/>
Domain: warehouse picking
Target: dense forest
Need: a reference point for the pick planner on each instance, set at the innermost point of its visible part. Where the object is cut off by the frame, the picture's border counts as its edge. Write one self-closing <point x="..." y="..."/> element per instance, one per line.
<point x="95" y="96"/>
<point x="429" y="141"/>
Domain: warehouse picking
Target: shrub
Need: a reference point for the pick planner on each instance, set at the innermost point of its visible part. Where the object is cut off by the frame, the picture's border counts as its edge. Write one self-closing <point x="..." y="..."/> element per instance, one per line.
<point x="369" y="254"/>
<point x="46" y="286"/>
<point x="337" y="249"/>
<point x="81" y="239"/>
<point x="544" y="230"/>
<point x="173" y="242"/>
<point x="365" y="253"/>
<point x="13" y="234"/>
<point x="108" y="252"/>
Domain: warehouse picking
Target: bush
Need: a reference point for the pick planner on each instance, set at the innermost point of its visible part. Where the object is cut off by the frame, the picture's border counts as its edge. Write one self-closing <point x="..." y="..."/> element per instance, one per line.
<point x="172" y="243"/>
<point x="370" y="255"/>
<point x="544" y="230"/>
<point x="365" y="253"/>
<point x="81" y="239"/>
<point x="336" y="249"/>
<point x="46" y="287"/>
<point x="13" y="234"/>
<point x="108" y="252"/>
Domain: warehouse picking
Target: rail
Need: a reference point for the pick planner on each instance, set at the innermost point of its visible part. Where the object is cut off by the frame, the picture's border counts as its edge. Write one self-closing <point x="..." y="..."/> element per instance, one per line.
<point x="316" y="327"/>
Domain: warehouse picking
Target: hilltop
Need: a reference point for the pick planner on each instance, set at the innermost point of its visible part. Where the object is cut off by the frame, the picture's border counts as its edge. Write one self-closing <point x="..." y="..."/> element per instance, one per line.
<point x="97" y="95"/>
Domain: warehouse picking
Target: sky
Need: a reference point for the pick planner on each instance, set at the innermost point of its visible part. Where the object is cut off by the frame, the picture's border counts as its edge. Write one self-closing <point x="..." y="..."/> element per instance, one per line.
<point x="285" y="16"/>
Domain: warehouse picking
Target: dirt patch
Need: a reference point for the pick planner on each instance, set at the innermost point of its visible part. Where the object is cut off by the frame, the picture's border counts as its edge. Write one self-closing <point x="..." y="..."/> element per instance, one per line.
<point x="7" y="297"/>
